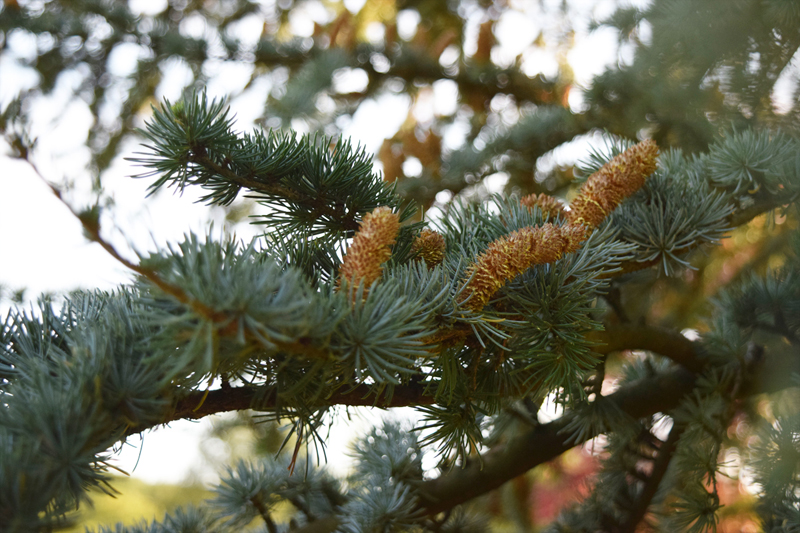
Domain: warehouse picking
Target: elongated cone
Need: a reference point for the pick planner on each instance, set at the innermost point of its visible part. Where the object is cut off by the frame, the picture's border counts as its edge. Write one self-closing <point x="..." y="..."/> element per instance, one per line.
<point x="615" y="181"/>
<point x="371" y="247"/>
<point x="511" y="255"/>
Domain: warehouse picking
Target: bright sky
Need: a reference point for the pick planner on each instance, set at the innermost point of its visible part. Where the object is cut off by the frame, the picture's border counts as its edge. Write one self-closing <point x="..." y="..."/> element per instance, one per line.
<point x="51" y="255"/>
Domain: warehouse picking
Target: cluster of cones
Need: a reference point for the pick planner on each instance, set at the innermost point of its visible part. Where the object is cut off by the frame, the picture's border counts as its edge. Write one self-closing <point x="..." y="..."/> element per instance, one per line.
<point x="512" y="254"/>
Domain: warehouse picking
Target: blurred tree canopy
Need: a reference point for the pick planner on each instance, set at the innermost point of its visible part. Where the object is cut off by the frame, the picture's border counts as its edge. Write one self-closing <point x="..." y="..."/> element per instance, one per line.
<point x="676" y="84"/>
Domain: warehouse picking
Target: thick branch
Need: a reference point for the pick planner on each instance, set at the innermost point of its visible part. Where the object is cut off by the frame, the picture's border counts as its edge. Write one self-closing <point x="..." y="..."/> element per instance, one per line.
<point x="665" y="453"/>
<point x="760" y="206"/>
<point x="199" y="404"/>
<point x="662" y="341"/>
<point x="545" y="443"/>
<point x="764" y="373"/>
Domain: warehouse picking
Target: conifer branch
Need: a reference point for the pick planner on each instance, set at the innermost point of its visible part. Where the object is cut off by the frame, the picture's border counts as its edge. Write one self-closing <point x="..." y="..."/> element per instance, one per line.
<point x="318" y="206"/>
<point x="505" y="462"/>
<point x="199" y="404"/>
<point x="764" y="203"/>
<point x="91" y="225"/>
<point x="662" y="341"/>
<point x="535" y="89"/>
<point x="546" y="442"/>
<point x="465" y="341"/>
<point x="415" y="64"/>
<point x="642" y="398"/>
<point x="539" y="445"/>
<point x="651" y="484"/>
<point x="262" y="185"/>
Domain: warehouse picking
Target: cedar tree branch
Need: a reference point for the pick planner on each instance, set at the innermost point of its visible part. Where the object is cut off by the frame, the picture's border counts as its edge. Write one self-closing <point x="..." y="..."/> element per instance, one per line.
<point x="662" y="341"/>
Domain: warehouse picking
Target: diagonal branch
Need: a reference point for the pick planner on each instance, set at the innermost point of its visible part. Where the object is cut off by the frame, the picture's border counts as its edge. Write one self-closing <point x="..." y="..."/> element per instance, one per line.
<point x="262" y="509"/>
<point x="541" y="444"/>
<point x="764" y="373"/>
<point x="92" y="228"/>
<point x="762" y="204"/>
<point x="546" y="442"/>
<point x="663" y="341"/>
<point x="652" y="483"/>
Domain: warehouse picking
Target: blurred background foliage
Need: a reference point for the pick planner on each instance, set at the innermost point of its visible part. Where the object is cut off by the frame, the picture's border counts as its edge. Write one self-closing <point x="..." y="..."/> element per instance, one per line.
<point x="136" y="501"/>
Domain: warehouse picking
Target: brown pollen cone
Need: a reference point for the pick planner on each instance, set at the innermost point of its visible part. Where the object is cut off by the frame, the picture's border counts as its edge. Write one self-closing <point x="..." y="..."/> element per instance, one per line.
<point x="511" y="255"/>
<point x="429" y="246"/>
<point x="573" y="236"/>
<point x="370" y="248"/>
<point x="615" y="181"/>
<point x="547" y="204"/>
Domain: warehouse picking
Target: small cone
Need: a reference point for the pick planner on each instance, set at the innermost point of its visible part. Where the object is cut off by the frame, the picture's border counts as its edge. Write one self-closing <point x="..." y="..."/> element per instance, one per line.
<point x="430" y="247"/>
<point x="547" y="204"/>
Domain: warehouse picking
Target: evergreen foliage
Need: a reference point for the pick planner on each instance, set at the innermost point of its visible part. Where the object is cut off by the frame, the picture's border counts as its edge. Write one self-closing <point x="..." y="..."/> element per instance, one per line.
<point x="475" y="316"/>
